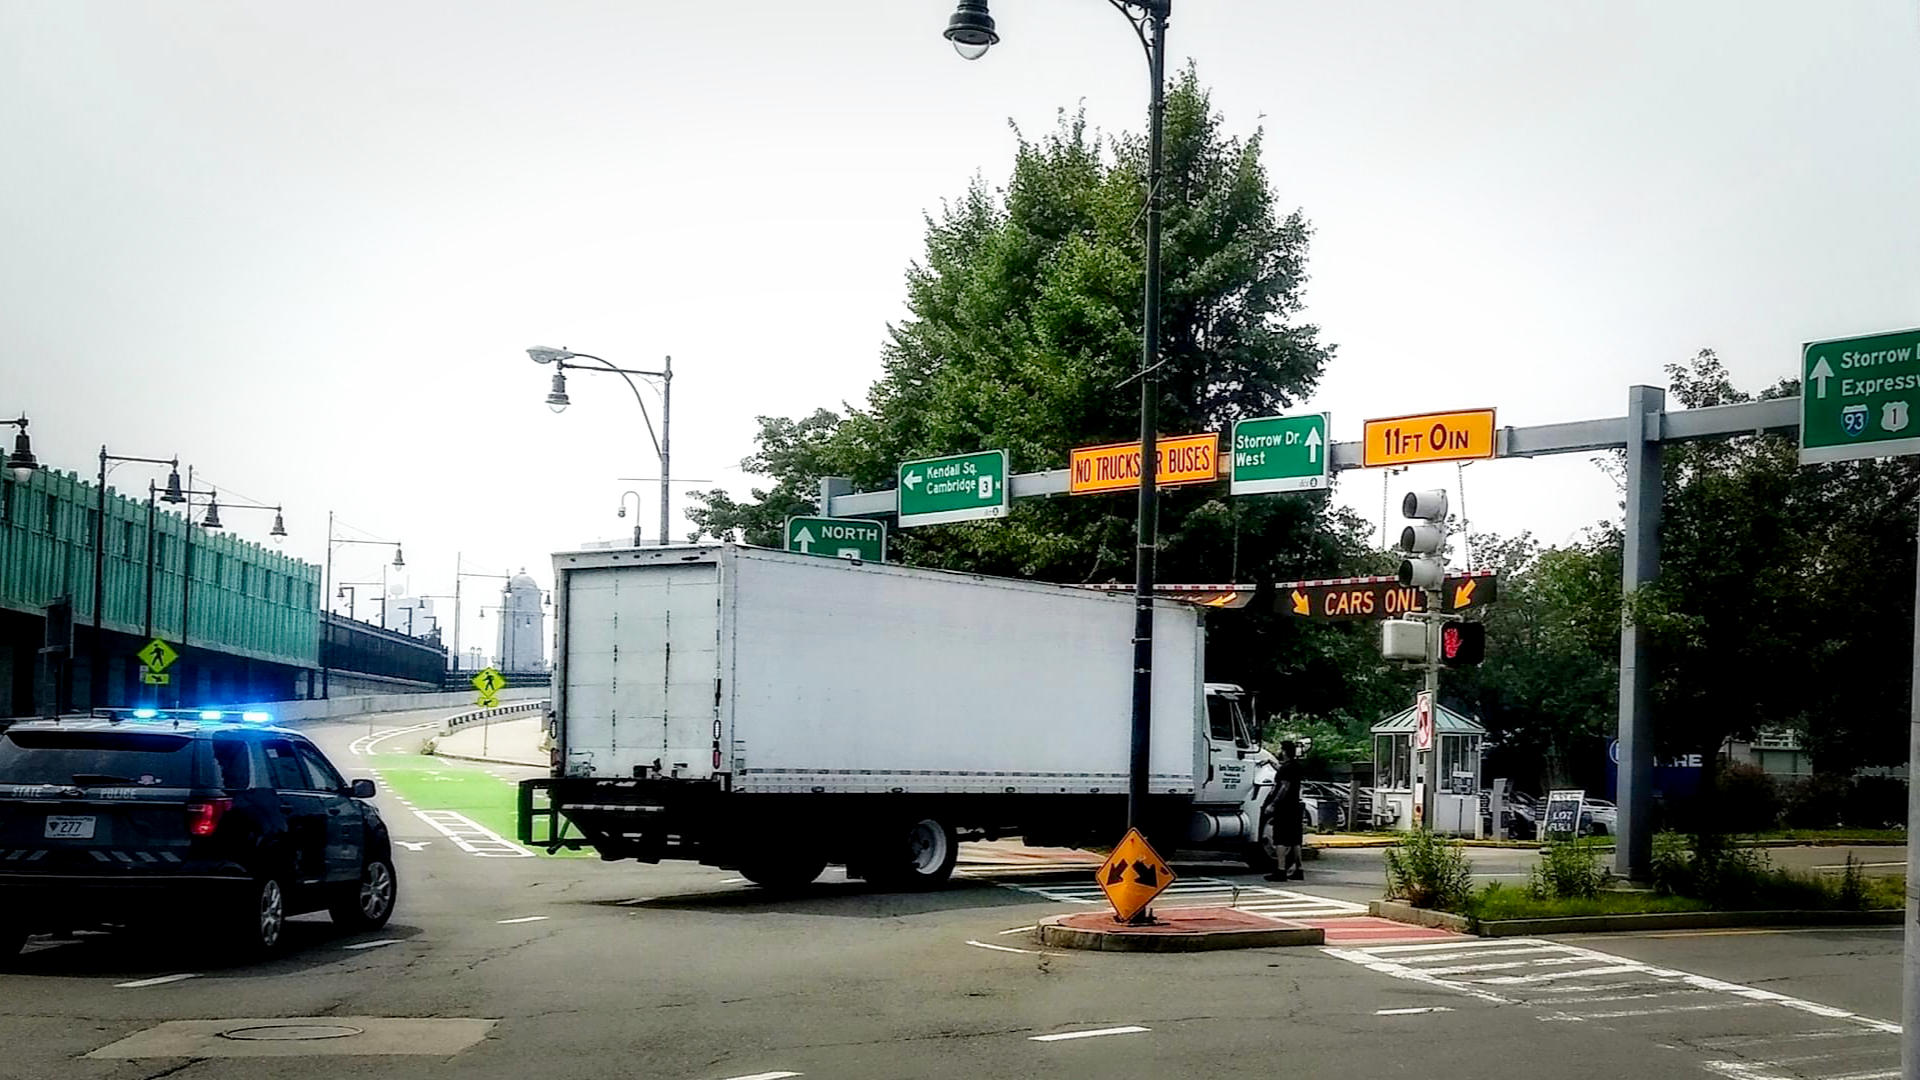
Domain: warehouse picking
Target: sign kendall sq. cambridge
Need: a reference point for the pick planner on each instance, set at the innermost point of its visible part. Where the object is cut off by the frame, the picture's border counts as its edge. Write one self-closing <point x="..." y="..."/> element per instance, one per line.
<point x="964" y="487"/>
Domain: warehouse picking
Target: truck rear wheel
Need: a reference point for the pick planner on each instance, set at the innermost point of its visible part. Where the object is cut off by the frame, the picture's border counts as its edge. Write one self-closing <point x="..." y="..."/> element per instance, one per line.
<point x="784" y="872"/>
<point x="917" y="855"/>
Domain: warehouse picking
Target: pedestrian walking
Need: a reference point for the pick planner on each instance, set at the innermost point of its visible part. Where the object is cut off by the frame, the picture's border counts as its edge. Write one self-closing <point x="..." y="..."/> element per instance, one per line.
<point x="1282" y="813"/>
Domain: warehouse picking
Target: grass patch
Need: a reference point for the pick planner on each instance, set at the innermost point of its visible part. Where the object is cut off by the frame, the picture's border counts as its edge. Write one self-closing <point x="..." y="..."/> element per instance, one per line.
<point x="432" y="783"/>
<point x="1872" y="836"/>
<point x="1497" y="901"/>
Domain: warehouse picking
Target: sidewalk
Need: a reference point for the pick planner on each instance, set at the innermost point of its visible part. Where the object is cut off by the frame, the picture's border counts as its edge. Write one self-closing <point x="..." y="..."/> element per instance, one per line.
<point x="513" y="740"/>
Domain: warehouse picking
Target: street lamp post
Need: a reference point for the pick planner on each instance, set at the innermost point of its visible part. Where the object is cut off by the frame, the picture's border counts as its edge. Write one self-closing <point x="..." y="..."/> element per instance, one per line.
<point x="557" y="400"/>
<point x="210" y="521"/>
<point x="97" y="675"/>
<point x="458" y="575"/>
<point x="173" y="495"/>
<point x="972" y="32"/>
<point x="326" y="590"/>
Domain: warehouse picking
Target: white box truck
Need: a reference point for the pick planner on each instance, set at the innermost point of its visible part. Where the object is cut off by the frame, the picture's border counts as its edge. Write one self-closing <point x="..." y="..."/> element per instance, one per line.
<point x="775" y="712"/>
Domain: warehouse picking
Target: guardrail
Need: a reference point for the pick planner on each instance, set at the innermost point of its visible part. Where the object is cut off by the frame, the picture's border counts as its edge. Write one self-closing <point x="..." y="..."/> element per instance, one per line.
<point x="460" y="720"/>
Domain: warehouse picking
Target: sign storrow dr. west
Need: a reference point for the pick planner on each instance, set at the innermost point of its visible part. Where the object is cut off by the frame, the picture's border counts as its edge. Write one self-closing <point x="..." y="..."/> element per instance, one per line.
<point x="1280" y="453"/>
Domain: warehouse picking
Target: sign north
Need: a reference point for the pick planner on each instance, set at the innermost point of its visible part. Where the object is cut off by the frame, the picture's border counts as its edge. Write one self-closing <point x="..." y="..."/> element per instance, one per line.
<point x="842" y="538"/>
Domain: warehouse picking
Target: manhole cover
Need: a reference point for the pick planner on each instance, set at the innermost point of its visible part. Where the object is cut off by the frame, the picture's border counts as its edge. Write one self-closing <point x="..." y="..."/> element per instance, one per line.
<point x="290" y="1032"/>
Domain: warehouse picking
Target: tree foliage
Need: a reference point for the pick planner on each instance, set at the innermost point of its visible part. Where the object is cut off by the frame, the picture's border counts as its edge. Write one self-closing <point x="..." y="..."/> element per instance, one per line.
<point x="1022" y="333"/>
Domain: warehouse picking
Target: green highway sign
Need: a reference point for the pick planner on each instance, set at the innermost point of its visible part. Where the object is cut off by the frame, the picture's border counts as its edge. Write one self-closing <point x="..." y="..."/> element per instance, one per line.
<point x="1860" y="397"/>
<point x="1280" y="453"/>
<point x="958" y="488"/>
<point x="842" y="538"/>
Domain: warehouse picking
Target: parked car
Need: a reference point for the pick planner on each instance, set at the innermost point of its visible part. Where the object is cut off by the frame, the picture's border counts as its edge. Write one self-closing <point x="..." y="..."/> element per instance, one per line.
<point x="1324" y="807"/>
<point x="1598" y="817"/>
<point x="149" y="817"/>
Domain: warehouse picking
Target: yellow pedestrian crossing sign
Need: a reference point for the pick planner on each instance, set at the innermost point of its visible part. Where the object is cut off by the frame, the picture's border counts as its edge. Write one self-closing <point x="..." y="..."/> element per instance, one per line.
<point x="157" y="655"/>
<point x="489" y="682"/>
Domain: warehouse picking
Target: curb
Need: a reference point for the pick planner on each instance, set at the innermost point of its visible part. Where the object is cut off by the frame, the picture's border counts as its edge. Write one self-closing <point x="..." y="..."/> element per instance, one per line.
<point x="1623" y="924"/>
<point x="1052" y="932"/>
<point x="1685" y="920"/>
<point x="1413" y="916"/>
<point x="490" y="760"/>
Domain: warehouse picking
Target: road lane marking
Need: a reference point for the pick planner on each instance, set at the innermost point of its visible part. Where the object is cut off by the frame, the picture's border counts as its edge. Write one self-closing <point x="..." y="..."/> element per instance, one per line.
<point x="1209" y="892"/>
<point x="1860" y="865"/>
<point x="767" y="1076"/>
<point x="523" y="918"/>
<point x="470" y="836"/>
<point x="1413" y="1011"/>
<point x="1009" y="948"/>
<point x="1414" y="963"/>
<point x="1095" y="1033"/>
<point x="160" y="981"/>
<point x="413" y="845"/>
<point x="372" y="944"/>
<point x="1016" y="930"/>
<point x="365" y="743"/>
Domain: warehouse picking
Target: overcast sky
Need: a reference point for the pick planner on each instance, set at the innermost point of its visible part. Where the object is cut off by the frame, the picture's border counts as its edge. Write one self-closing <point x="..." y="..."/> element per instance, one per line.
<point x="304" y="246"/>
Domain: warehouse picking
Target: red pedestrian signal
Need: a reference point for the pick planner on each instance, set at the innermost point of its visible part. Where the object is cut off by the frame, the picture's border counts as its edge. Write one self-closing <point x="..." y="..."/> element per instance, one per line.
<point x="1463" y="644"/>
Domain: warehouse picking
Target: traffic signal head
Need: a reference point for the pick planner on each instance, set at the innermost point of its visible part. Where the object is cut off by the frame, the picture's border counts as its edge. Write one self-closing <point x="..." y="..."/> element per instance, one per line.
<point x="1429" y="505"/>
<point x="1422" y="573"/>
<point x="1463" y="644"/>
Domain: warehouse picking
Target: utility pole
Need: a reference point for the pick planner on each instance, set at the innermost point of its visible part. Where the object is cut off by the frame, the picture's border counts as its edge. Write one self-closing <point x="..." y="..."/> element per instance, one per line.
<point x="666" y="443"/>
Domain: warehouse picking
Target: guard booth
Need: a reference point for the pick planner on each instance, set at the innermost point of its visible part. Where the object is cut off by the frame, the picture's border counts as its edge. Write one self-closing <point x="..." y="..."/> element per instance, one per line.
<point x="1397" y="768"/>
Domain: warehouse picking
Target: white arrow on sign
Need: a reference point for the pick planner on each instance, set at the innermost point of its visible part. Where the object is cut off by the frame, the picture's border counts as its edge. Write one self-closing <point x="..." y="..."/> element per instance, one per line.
<point x="1313" y="444"/>
<point x="1820" y="374"/>
<point x="912" y="480"/>
<point x="804" y="540"/>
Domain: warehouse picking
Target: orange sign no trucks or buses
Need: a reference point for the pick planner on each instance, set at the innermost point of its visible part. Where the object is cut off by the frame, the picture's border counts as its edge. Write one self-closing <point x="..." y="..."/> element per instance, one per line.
<point x="1182" y="459"/>
<point x="1133" y="875"/>
<point x="1446" y="436"/>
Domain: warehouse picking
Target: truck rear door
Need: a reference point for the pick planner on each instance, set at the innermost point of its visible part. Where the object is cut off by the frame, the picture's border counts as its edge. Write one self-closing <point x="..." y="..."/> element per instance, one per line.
<point x="639" y="681"/>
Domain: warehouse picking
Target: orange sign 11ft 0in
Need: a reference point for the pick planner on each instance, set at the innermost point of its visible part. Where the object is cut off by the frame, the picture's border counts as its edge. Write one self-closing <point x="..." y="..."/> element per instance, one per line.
<point x="1182" y="459"/>
<point x="1449" y="436"/>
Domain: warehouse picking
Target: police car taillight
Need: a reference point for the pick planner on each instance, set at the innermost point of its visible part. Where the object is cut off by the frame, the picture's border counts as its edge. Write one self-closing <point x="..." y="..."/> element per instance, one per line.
<point x="204" y="817"/>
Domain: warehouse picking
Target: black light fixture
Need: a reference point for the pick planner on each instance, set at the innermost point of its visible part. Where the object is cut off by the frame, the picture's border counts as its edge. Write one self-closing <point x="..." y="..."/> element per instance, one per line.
<point x="212" y="520"/>
<point x="399" y="559"/>
<point x="557" y="397"/>
<point x="21" y="461"/>
<point x="971" y="30"/>
<point x="279" y="530"/>
<point x="174" y="493"/>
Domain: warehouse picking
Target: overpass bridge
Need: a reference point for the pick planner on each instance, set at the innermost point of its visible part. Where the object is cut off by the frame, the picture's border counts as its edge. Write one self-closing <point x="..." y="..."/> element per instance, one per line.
<point x="245" y="619"/>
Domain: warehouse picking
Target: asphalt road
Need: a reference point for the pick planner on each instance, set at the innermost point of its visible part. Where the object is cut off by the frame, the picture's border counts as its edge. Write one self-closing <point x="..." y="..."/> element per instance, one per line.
<point x="589" y="969"/>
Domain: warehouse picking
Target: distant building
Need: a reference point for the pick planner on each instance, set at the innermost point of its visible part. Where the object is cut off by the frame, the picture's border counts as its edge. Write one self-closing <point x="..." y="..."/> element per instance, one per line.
<point x="410" y="615"/>
<point x="523" y="626"/>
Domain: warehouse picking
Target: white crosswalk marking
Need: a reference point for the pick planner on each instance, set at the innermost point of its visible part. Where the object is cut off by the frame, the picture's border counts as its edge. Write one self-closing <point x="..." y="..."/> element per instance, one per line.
<point x="472" y="837"/>
<point x="1211" y="892"/>
<point x="1571" y="984"/>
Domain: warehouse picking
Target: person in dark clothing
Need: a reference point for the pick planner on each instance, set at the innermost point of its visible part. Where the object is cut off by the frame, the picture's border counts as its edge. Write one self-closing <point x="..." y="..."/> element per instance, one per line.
<point x="1282" y="813"/>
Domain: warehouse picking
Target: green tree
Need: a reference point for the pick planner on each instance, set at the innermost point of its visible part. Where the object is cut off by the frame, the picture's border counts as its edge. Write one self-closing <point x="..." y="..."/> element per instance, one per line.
<point x="1549" y="688"/>
<point x="1785" y="592"/>
<point x="1022" y="333"/>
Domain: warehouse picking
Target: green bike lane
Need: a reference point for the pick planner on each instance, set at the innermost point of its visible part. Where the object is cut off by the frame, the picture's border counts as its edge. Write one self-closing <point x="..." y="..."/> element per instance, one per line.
<point x="435" y="789"/>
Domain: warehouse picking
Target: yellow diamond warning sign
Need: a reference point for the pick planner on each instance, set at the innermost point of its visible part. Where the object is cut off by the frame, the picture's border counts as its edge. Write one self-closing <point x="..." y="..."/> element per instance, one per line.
<point x="1133" y="875"/>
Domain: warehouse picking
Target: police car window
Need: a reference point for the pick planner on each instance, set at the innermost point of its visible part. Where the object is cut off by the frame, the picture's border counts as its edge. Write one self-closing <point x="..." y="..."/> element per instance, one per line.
<point x="285" y="767"/>
<point x="67" y="756"/>
<point x="233" y="764"/>
<point x="321" y="774"/>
